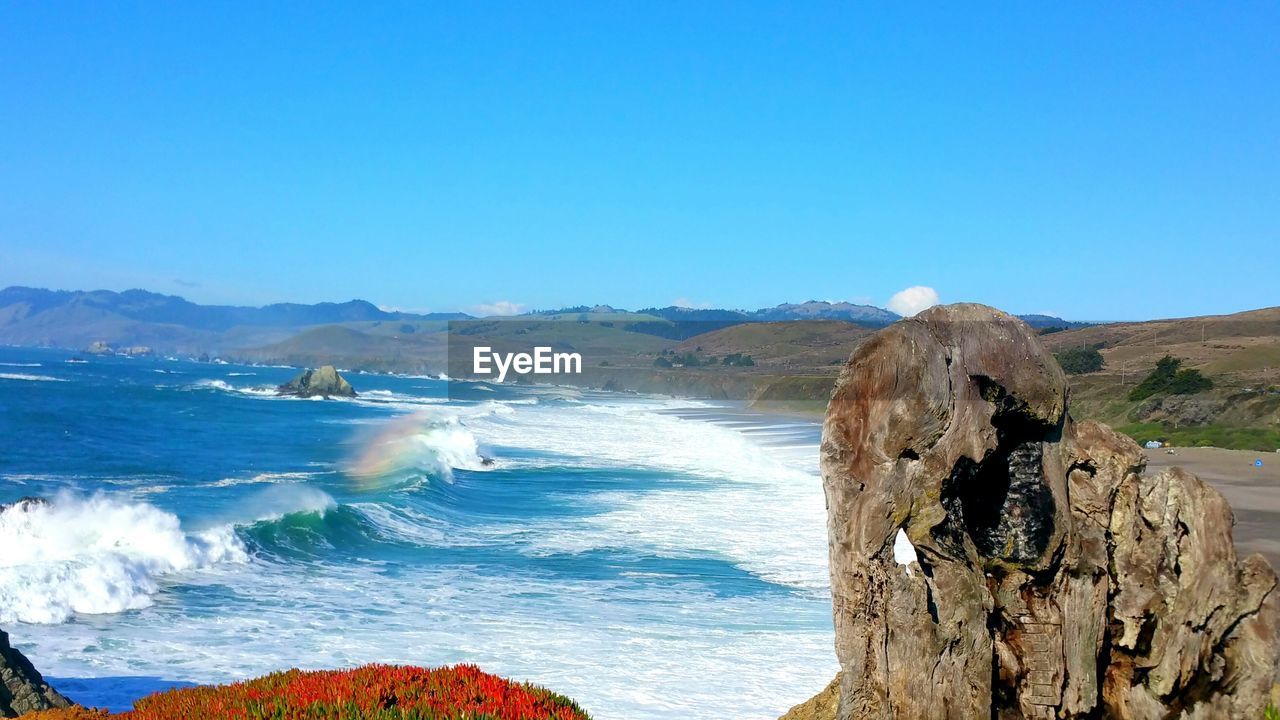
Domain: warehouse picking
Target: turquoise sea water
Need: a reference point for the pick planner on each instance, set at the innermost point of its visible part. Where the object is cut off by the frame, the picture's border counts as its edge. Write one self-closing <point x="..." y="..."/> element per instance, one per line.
<point x="653" y="558"/>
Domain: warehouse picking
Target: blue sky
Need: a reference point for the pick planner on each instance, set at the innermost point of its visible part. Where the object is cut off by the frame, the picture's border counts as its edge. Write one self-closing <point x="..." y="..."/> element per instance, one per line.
<point x="1095" y="160"/>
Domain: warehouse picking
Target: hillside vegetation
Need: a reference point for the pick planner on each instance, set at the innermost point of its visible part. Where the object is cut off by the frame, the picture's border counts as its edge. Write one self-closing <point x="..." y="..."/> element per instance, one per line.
<point x="1218" y="385"/>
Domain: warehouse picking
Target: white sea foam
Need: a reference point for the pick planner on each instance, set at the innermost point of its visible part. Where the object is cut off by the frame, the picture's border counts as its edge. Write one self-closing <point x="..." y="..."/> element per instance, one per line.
<point x="4" y="364"/>
<point x="264" y="478"/>
<point x="397" y="401"/>
<point x="451" y="445"/>
<point x="665" y="652"/>
<point x="93" y="555"/>
<point x="740" y="491"/>
<point x="484" y="409"/>
<point x="757" y="505"/>
<point x="411" y="445"/>
<point x="223" y="385"/>
<point x="32" y="378"/>
<point x="260" y="391"/>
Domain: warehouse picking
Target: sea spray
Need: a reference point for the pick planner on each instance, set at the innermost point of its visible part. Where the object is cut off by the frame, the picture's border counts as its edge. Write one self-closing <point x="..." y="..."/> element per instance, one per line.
<point x="410" y="447"/>
<point x="94" y="555"/>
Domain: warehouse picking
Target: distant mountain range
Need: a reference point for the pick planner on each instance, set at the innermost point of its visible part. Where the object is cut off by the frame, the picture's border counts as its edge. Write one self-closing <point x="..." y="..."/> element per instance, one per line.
<point x="795" y="349"/>
<point x="811" y="310"/>
<point x="143" y="306"/>
<point x="168" y="323"/>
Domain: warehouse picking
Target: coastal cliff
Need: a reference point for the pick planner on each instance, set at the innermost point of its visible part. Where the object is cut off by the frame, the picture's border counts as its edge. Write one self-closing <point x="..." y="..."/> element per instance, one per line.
<point x="991" y="557"/>
<point x="22" y="689"/>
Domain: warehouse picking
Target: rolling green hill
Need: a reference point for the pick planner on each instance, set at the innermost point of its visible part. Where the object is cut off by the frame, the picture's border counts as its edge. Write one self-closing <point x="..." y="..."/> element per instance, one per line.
<point x="792" y="365"/>
<point x="1239" y="353"/>
<point x="785" y="357"/>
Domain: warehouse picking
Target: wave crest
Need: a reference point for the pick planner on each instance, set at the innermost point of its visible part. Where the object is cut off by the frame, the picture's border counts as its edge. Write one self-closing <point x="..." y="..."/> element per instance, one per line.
<point x="224" y="386"/>
<point x="95" y="555"/>
<point x="29" y="378"/>
<point x="413" y="446"/>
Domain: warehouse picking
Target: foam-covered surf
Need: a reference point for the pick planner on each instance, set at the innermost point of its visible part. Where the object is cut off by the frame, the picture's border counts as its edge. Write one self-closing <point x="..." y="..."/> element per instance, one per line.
<point x="95" y="555"/>
<point x="29" y="377"/>
<point x="654" y="558"/>
<point x="254" y="390"/>
<point x="416" y="447"/>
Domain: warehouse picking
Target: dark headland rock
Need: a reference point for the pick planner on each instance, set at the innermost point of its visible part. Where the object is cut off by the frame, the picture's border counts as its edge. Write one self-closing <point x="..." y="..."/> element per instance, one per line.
<point x="323" y="382"/>
<point x="1050" y="576"/>
<point x="22" y="690"/>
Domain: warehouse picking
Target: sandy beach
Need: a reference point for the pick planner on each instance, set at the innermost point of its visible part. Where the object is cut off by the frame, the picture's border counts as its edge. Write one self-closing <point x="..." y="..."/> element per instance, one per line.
<point x="1254" y="492"/>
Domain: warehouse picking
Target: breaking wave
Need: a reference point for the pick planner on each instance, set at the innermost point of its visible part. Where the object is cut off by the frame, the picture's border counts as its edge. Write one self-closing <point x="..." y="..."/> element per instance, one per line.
<point x="412" y="447"/>
<point x="94" y="555"/>
<point x="223" y="385"/>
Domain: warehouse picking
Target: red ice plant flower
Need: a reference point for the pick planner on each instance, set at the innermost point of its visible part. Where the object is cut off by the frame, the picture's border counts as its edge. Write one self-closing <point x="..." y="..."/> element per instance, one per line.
<point x="373" y="692"/>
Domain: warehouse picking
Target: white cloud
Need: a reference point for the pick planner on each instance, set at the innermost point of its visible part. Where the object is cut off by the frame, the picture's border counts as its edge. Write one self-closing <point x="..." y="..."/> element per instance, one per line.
<point x="913" y="300"/>
<point x="691" y="304"/>
<point x="499" y="307"/>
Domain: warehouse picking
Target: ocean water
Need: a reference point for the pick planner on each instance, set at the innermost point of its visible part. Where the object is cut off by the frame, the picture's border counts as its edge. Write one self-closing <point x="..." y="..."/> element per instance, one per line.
<point x="650" y="557"/>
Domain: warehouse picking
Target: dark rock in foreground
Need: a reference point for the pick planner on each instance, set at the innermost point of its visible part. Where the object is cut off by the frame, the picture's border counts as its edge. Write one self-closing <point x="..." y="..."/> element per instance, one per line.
<point x="323" y="382"/>
<point x="22" y="690"/>
<point x="1050" y="577"/>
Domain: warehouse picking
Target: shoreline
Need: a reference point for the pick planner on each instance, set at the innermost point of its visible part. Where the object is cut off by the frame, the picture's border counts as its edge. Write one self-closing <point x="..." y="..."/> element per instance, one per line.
<point x="1253" y="492"/>
<point x="727" y="487"/>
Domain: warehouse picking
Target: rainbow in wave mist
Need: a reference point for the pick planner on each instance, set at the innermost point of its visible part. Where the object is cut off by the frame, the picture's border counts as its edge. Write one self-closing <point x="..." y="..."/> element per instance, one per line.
<point x="414" y="448"/>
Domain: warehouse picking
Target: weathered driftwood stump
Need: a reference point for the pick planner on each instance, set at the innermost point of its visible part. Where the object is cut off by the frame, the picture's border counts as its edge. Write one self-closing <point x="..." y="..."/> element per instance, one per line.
<point x="1052" y="577"/>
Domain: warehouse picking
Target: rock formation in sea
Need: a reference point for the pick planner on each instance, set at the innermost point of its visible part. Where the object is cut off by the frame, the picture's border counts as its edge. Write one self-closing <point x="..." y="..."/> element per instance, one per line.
<point x="22" y="690"/>
<point x="1052" y="577"/>
<point x="323" y="382"/>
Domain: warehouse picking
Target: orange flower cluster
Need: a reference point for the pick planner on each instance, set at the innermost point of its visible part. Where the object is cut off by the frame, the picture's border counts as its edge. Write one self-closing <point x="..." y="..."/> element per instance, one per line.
<point x="373" y="692"/>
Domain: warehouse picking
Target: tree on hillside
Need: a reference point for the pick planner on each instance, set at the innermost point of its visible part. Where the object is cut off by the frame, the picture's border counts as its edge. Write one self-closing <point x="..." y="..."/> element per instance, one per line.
<point x="1080" y="360"/>
<point x="671" y="359"/>
<point x="1169" y="377"/>
<point x="688" y="360"/>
